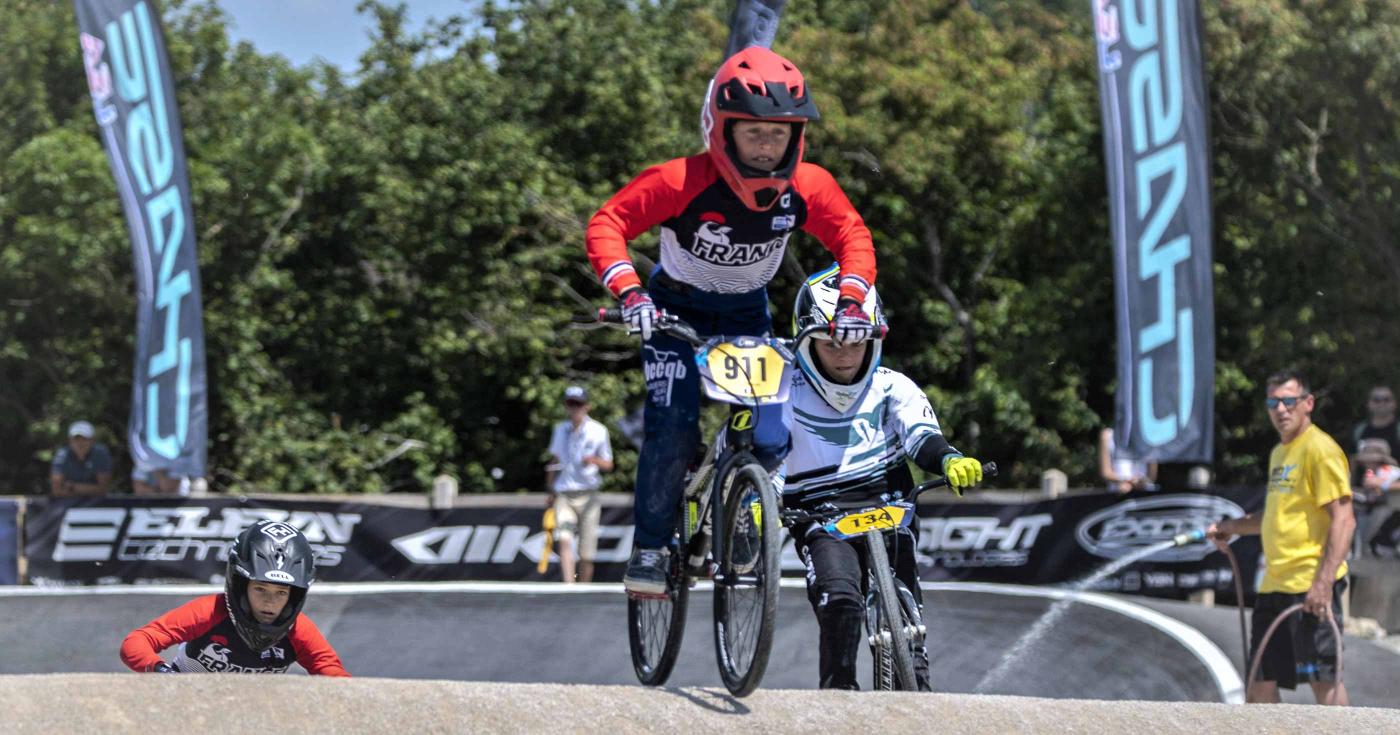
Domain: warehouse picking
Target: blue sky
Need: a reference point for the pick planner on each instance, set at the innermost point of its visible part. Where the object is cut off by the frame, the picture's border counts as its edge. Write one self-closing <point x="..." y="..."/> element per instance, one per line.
<point x="303" y="30"/>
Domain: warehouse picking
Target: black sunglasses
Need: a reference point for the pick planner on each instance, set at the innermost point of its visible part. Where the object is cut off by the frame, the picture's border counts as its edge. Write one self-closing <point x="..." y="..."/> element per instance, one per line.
<point x="1289" y="401"/>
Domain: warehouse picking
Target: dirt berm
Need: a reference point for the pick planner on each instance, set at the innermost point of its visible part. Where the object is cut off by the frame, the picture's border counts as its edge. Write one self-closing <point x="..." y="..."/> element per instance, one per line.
<point x="124" y="703"/>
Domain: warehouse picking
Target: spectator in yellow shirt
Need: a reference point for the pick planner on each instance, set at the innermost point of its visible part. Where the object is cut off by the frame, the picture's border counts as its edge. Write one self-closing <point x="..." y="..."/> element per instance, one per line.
<point x="1306" y="526"/>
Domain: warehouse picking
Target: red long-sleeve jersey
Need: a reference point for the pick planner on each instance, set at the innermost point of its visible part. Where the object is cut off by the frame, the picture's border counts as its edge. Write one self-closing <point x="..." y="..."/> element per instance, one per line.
<point x="208" y="642"/>
<point x="710" y="240"/>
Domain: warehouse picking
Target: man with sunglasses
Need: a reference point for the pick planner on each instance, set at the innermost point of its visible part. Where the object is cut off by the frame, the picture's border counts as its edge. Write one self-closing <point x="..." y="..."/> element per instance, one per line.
<point x="580" y="449"/>
<point x="1381" y="421"/>
<point x="1307" y="524"/>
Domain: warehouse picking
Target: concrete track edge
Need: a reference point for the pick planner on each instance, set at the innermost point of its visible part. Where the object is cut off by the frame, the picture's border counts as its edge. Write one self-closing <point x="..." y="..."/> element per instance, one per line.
<point x="1227" y="678"/>
<point x="125" y="703"/>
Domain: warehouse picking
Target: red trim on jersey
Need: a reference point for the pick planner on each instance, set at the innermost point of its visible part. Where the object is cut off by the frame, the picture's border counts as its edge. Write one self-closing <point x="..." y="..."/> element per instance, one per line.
<point x="663" y="191"/>
<point x="833" y="221"/>
<point x="656" y="195"/>
<point x="141" y="649"/>
<point x="313" y="652"/>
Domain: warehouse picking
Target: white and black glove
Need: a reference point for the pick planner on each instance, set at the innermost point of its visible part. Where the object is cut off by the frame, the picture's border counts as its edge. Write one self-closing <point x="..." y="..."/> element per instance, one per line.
<point x="851" y="325"/>
<point x="639" y="311"/>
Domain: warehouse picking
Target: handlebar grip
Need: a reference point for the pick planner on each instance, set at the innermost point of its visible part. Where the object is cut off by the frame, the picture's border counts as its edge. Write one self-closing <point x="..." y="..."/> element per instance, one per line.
<point x="610" y="316"/>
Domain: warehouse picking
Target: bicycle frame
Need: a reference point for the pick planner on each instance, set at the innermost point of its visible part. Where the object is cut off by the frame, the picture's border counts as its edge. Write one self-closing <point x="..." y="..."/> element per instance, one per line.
<point x="740" y="357"/>
<point x="886" y="596"/>
<point x="731" y="492"/>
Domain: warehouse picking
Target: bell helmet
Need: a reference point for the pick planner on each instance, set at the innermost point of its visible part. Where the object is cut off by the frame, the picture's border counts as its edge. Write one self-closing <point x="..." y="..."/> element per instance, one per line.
<point x="816" y="305"/>
<point x="755" y="84"/>
<point x="268" y="551"/>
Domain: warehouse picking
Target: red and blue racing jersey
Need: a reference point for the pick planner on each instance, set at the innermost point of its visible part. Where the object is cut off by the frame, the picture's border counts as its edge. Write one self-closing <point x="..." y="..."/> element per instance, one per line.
<point x="711" y="241"/>
<point x="208" y="642"/>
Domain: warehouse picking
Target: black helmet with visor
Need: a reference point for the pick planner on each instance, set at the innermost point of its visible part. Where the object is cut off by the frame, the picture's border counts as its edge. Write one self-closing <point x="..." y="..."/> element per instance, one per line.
<point x="274" y="552"/>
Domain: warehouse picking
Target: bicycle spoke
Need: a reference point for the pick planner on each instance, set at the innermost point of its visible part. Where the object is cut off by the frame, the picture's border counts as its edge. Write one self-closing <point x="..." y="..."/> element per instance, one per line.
<point x="745" y="598"/>
<point x="744" y="601"/>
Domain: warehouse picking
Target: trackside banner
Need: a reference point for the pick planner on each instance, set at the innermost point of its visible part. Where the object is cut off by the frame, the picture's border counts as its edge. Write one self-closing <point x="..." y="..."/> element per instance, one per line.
<point x="133" y="99"/>
<point x="1157" y="154"/>
<point x="754" y="23"/>
<point x="1069" y="539"/>
<point x="127" y="540"/>
<point x="9" y="542"/>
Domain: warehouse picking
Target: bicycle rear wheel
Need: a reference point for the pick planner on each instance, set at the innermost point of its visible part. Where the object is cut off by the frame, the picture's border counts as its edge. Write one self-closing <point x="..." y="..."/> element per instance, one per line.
<point x="746" y="585"/>
<point x="893" y="651"/>
<point x="655" y="626"/>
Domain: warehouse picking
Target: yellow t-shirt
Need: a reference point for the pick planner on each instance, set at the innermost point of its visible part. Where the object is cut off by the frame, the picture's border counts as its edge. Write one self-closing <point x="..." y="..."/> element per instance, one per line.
<point x="1304" y="475"/>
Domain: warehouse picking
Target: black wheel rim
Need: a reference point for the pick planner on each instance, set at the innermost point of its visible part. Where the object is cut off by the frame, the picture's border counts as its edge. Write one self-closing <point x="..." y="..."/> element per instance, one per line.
<point x="656" y="626"/>
<point x="743" y="589"/>
<point x="653" y="621"/>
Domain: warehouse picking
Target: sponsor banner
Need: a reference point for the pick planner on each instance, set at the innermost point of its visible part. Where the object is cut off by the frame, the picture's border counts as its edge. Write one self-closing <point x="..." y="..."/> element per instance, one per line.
<point x="9" y="542"/>
<point x="128" y="540"/>
<point x="1069" y="539"/>
<point x="133" y="97"/>
<point x="1157" y="156"/>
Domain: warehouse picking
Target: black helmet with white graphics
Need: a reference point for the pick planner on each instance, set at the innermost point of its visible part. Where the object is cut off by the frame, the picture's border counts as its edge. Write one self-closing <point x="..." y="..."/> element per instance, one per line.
<point x="268" y="551"/>
<point x="816" y="305"/>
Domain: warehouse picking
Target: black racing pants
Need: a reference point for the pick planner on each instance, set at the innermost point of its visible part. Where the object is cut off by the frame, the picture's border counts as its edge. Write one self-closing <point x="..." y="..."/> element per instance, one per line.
<point x="836" y="586"/>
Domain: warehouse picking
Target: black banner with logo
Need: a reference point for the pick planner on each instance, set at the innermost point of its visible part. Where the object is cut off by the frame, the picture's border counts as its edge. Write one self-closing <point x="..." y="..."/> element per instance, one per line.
<point x="1158" y="159"/>
<point x="131" y="540"/>
<point x="1070" y="540"/>
<point x="133" y="97"/>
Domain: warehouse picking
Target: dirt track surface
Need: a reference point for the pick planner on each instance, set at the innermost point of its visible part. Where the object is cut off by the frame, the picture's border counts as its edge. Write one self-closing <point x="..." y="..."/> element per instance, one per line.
<point x="128" y="703"/>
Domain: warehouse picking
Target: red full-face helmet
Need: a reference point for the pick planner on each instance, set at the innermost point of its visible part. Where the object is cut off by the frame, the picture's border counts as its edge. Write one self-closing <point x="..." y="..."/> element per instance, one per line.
<point x="755" y="84"/>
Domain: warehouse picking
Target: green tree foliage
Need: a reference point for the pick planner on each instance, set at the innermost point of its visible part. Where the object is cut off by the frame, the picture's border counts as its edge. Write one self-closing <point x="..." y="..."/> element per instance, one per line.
<point x="392" y="260"/>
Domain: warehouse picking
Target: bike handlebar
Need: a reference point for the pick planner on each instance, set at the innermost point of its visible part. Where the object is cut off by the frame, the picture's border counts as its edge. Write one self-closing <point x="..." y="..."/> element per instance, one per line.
<point x="828" y="509"/>
<point x="676" y="327"/>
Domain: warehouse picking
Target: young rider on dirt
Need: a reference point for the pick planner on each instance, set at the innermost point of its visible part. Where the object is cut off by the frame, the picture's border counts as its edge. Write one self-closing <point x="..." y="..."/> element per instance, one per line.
<point x="725" y="217"/>
<point x="854" y="426"/>
<point x="255" y="626"/>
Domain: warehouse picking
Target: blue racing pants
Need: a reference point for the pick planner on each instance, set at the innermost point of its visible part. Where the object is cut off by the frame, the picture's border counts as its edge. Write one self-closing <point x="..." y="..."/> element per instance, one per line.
<point x="672" y="413"/>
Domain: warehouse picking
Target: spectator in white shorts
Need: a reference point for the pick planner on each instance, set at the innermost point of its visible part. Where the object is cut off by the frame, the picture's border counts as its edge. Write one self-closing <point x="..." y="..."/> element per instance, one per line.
<point x="581" y="453"/>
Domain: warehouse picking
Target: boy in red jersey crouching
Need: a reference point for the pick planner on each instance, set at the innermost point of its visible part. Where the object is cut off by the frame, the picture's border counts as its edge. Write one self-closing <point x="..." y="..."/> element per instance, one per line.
<point x="255" y="626"/>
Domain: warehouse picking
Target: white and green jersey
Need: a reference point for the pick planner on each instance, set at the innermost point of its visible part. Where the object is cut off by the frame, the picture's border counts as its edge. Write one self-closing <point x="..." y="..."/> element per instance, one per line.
<point x="863" y="450"/>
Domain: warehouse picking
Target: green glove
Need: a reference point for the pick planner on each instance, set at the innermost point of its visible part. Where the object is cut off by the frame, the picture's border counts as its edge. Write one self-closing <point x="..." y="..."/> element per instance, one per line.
<point x="962" y="472"/>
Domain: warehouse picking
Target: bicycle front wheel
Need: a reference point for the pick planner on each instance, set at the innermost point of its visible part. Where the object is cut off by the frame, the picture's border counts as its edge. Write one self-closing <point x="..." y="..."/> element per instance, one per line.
<point x="746" y="583"/>
<point x="894" y="656"/>
<point x="655" y="626"/>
